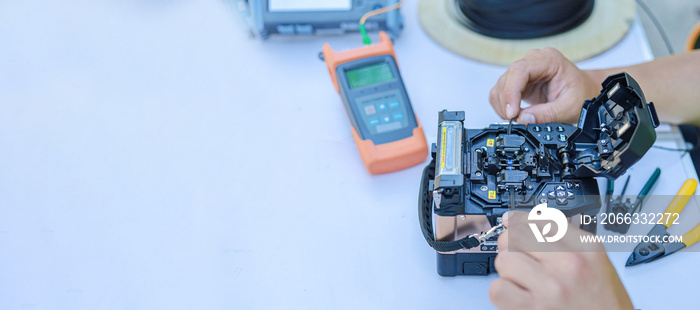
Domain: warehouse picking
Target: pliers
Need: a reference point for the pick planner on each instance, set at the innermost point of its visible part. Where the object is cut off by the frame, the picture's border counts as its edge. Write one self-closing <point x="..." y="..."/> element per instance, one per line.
<point x="618" y="206"/>
<point x="657" y="247"/>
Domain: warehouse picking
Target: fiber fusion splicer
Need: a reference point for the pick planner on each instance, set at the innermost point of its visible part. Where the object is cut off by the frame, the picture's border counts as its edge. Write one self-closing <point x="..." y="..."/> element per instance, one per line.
<point x="476" y="175"/>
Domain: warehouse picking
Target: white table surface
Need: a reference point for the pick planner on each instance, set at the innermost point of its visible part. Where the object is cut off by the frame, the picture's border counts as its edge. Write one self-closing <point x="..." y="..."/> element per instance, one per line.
<point x="153" y="156"/>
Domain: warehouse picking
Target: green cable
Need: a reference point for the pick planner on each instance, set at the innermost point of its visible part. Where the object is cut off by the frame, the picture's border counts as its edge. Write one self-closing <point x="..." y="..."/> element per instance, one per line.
<point x="365" y="38"/>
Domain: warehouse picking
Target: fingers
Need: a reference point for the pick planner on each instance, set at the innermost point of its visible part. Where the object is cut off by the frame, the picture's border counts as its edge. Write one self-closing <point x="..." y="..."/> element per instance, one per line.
<point x="515" y="81"/>
<point x="513" y="221"/>
<point x="566" y="274"/>
<point x="554" y="86"/>
<point x="565" y="109"/>
<point x="505" y="294"/>
<point x="519" y="237"/>
<point x="507" y="218"/>
<point x="518" y="215"/>
<point x="503" y="241"/>
<point x="494" y="97"/>
<point x="539" y="113"/>
<point x="519" y="267"/>
<point x="506" y="102"/>
<point x="536" y="66"/>
<point x="572" y="241"/>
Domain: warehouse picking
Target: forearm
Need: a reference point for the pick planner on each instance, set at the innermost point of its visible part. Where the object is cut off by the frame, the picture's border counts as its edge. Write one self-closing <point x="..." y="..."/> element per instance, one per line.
<point x="672" y="83"/>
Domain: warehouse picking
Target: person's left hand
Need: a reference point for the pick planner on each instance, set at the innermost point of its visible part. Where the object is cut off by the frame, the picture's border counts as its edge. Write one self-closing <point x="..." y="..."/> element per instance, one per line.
<point x="554" y="86"/>
<point x="570" y="275"/>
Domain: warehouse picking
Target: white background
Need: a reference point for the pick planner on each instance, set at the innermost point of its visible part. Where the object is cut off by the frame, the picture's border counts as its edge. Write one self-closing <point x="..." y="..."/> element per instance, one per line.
<point x="154" y="156"/>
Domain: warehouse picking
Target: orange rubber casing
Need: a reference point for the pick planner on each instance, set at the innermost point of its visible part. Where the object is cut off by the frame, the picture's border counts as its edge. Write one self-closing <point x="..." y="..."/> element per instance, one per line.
<point x="385" y="157"/>
<point x="693" y="38"/>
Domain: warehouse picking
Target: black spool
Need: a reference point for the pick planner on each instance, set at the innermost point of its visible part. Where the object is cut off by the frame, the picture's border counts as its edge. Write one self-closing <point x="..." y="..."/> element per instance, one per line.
<point x="523" y="19"/>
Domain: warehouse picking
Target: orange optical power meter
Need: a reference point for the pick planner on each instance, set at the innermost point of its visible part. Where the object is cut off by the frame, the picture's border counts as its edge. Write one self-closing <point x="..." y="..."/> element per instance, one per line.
<point x="386" y="131"/>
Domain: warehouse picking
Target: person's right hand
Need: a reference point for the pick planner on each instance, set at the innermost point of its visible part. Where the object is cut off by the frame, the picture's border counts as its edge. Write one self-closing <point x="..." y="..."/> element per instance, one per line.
<point x="552" y="84"/>
<point x="566" y="274"/>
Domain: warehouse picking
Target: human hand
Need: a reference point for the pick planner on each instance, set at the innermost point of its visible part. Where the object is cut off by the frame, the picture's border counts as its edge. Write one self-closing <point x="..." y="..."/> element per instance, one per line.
<point x="553" y="85"/>
<point x="569" y="275"/>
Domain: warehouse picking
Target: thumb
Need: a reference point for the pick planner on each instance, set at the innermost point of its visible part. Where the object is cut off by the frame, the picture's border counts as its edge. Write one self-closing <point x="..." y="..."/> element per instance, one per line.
<point x="539" y="114"/>
<point x="511" y="216"/>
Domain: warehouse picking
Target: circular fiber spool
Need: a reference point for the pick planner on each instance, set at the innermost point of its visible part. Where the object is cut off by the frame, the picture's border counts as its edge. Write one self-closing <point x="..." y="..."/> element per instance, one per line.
<point x="608" y="23"/>
<point x="694" y="39"/>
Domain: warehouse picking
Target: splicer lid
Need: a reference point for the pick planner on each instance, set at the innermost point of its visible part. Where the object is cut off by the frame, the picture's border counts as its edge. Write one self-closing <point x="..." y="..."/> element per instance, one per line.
<point x="614" y="131"/>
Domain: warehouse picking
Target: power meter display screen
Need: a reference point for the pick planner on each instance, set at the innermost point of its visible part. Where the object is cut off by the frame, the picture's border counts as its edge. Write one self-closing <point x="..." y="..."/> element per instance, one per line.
<point x="369" y="75"/>
<point x="309" y="5"/>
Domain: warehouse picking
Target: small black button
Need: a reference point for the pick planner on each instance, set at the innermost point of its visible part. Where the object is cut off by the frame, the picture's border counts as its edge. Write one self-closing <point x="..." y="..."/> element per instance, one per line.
<point x="570" y="195"/>
<point x="569" y="185"/>
<point x="561" y="201"/>
<point x="536" y="128"/>
<point x="548" y="137"/>
<point x="561" y="137"/>
<point x="577" y="185"/>
<point x="550" y="195"/>
<point x="560" y="129"/>
<point x="548" y="128"/>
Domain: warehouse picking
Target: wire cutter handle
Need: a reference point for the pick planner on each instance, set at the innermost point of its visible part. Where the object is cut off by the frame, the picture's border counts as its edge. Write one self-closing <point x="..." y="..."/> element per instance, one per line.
<point x="645" y="190"/>
<point x="681" y="199"/>
<point x="647" y="187"/>
<point x="692" y="236"/>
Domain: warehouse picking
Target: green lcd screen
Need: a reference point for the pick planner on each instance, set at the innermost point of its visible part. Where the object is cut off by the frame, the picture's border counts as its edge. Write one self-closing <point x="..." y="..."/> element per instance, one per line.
<point x="369" y="75"/>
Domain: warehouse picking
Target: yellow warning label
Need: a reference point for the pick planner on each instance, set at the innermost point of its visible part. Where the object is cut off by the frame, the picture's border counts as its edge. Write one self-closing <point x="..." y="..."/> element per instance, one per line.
<point x="492" y="194"/>
<point x="489" y="142"/>
<point x="443" y="144"/>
